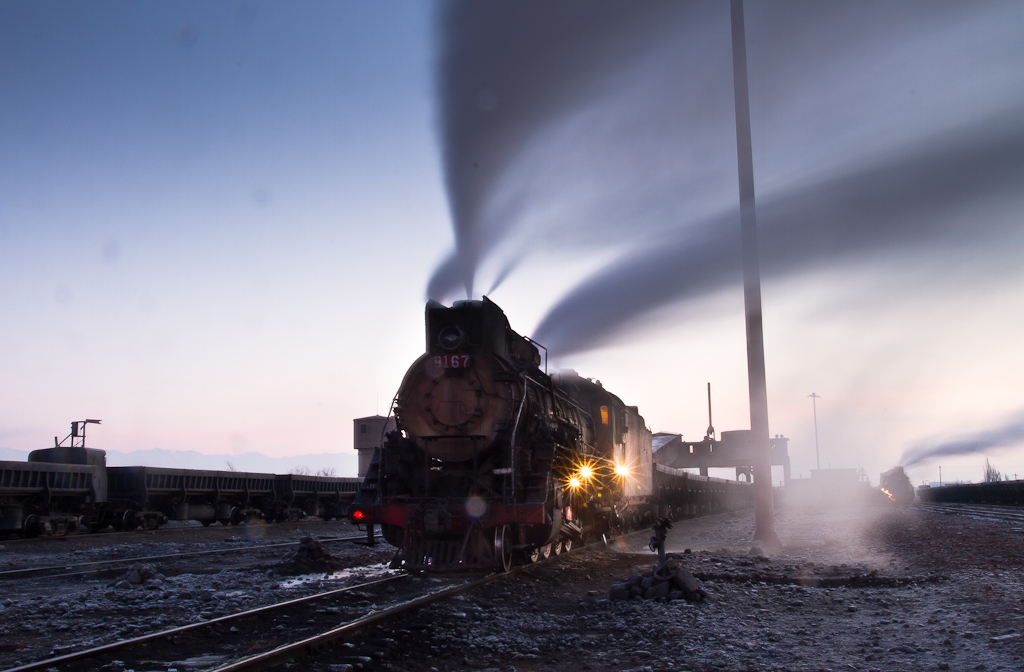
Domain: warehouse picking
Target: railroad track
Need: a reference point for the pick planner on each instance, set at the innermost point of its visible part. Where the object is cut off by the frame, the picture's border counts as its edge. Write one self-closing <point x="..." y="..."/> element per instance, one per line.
<point x="1013" y="515"/>
<point x="98" y="566"/>
<point x="166" y="529"/>
<point x="266" y="636"/>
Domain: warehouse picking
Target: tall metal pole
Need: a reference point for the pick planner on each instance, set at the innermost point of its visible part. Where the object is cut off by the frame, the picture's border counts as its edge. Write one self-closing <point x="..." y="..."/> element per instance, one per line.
<point x="814" y="404"/>
<point x="711" y="426"/>
<point x="764" y="510"/>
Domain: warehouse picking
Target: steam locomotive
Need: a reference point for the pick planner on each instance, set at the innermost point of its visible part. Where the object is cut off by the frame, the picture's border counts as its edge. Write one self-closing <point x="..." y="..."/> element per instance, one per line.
<point x="493" y="457"/>
<point x="895" y="484"/>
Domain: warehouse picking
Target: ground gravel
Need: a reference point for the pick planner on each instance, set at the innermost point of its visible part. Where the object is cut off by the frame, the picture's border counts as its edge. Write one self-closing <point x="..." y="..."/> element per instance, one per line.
<point x="51" y="615"/>
<point x="851" y="589"/>
<point x="877" y="589"/>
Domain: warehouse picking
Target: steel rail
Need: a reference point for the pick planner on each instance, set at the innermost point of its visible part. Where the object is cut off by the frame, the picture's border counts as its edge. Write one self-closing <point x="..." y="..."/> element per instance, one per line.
<point x="167" y="556"/>
<point x="82" y="533"/>
<point x="134" y="641"/>
<point x="996" y="512"/>
<point x="311" y="645"/>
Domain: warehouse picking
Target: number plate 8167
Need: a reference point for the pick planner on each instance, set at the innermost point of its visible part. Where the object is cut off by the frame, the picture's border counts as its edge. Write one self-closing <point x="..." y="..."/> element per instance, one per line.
<point x="451" y="361"/>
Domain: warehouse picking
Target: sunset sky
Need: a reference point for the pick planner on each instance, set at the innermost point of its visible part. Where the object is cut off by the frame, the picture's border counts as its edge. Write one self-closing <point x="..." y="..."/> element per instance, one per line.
<point x="218" y="221"/>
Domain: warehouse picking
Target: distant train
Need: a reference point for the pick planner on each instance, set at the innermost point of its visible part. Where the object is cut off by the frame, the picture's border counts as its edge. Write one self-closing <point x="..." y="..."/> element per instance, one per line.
<point x="896" y="485"/>
<point x="492" y="457"/>
<point x="64" y="488"/>
<point x="1000" y="493"/>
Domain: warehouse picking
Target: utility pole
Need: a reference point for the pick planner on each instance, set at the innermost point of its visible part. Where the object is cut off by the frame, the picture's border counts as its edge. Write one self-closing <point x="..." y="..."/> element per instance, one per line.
<point x="814" y="404"/>
<point x="711" y="426"/>
<point x="764" y="507"/>
<point x="940" y="475"/>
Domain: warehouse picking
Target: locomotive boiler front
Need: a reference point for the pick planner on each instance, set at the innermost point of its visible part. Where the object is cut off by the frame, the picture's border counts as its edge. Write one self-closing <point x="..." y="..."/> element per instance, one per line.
<point x="452" y="404"/>
<point x="459" y="399"/>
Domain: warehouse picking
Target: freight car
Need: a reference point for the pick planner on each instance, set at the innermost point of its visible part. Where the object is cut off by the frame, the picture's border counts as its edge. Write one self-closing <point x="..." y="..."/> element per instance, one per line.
<point x="64" y="488"/>
<point x="492" y="457"/>
<point x="299" y="495"/>
<point x="149" y="496"/>
<point x="51" y="492"/>
<point x="1003" y="493"/>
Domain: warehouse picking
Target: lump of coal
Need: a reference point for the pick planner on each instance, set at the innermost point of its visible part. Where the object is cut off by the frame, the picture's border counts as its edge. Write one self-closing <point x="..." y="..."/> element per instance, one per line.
<point x="671" y="582"/>
<point x="140" y="575"/>
<point x="310" y="557"/>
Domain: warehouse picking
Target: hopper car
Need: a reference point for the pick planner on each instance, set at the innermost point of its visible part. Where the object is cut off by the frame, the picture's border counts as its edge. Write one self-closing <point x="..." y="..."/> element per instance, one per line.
<point x="69" y="487"/>
<point x="997" y="493"/>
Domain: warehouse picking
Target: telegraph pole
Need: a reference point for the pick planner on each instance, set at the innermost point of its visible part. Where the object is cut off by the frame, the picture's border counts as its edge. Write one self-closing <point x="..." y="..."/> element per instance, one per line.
<point x="814" y="404"/>
<point x="764" y="509"/>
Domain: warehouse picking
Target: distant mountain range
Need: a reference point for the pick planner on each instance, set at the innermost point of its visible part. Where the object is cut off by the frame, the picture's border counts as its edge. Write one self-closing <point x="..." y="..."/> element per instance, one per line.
<point x="343" y="464"/>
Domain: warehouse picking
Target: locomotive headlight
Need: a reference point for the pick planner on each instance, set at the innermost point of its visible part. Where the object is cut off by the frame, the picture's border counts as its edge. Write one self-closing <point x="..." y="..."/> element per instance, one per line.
<point x="450" y="337"/>
<point x="621" y="470"/>
<point x="574" y="483"/>
<point x="586" y="473"/>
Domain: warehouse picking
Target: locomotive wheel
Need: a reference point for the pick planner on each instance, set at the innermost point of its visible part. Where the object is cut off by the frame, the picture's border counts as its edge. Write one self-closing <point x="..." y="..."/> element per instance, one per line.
<point x="533" y="555"/>
<point x="556" y="548"/>
<point x="32" y="527"/>
<point x="128" y="521"/>
<point x="567" y="545"/>
<point x="545" y="551"/>
<point x="503" y="547"/>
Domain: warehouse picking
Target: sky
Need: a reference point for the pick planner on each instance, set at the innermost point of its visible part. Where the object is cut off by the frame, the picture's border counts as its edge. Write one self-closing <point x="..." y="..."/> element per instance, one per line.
<point x="219" y="222"/>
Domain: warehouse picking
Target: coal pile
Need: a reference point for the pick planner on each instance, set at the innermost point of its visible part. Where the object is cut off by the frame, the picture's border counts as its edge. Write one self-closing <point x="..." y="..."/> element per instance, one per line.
<point x="140" y="575"/>
<point x="666" y="583"/>
<point x="310" y="557"/>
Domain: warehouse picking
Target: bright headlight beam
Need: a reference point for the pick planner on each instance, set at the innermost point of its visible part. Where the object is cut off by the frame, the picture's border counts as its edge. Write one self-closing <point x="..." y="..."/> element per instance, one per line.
<point x="586" y="473"/>
<point x="622" y="470"/>
<point x="574" y="482"/>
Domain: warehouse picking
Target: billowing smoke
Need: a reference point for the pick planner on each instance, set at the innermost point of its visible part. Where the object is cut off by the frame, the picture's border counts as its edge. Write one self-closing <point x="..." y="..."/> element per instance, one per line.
<point x="880" y="130"/>
<point x="1010" y="434"/>
<point x="513" y="79"/>
<point x="904" y="205"/>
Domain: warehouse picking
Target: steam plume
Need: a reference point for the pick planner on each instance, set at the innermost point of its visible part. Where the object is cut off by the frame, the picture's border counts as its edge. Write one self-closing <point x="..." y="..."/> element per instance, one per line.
<point x="1009" y="434"/>
<point x="879" y="129"/>
<point x="905" y="204"/>
<point x="506" y="71"/>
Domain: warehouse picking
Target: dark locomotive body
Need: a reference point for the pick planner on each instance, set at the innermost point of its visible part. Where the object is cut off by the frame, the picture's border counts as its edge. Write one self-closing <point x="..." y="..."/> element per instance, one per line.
<point x="492" y="455"/>
<point x="896" y="485"/>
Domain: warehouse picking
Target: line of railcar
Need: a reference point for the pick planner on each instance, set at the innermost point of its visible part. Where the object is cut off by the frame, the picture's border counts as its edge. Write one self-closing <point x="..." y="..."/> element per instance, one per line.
<point x="492" y="457"/>
<point x="1004" y="493"/>
<point x="65" y="488"/>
